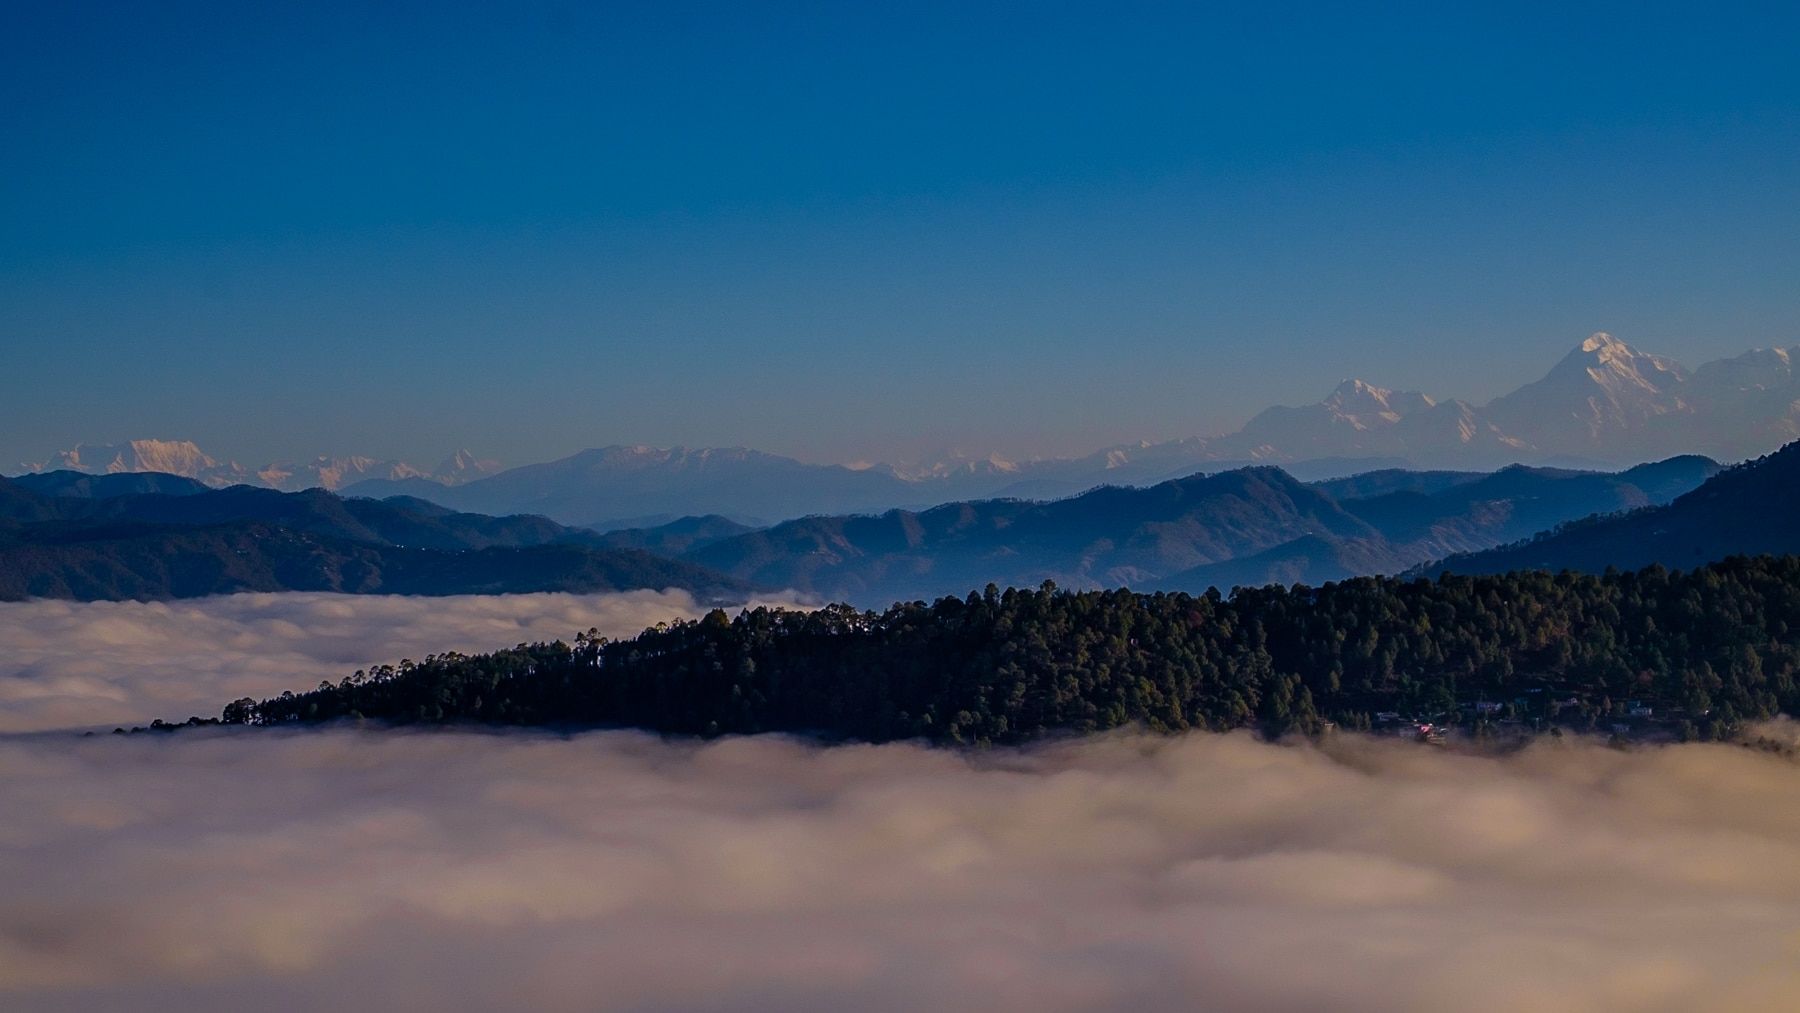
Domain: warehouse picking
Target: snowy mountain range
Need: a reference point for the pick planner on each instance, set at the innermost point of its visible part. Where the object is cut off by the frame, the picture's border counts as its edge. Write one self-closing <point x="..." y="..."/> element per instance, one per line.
<point x="1605" y="405"/>
<point x="182" y="457"/>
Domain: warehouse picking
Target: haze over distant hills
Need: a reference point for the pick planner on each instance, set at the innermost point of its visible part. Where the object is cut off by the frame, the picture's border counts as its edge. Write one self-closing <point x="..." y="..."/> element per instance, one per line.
<point x="65" y="535"/>
<point x="1605" y="405"/>
<point x="146" y="535"/>
<point x="183" y="458"/>
<point x="1747" y="510"/>
<point x="1248" y="526"/>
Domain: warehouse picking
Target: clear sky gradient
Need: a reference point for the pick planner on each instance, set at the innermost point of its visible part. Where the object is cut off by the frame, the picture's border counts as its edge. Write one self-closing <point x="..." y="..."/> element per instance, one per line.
<point x="855" y="232"/>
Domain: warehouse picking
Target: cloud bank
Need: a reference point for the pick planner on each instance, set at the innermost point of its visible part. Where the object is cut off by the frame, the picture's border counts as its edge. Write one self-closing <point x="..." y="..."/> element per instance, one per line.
<point x="237" y="869"/>
<point x="66" y="664"/>
<point x="229" y="869"/>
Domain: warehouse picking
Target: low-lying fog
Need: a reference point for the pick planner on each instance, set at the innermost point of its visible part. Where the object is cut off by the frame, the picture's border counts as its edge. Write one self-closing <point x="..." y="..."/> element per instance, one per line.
<point x="65" y="664"/>
<point x="246" y="869"/>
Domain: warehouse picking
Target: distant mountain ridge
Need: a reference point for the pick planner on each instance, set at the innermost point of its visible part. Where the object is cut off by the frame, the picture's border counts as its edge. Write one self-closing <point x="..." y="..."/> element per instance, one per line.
<point x="184" y="459"/>
<point x="108" y="537"/>
<point x="1605" y="402"/>
<point x="606" y="485"/>
<point x="148" y="535"/>
<point x="1747" y="510"/>
<point x="84" y="486"/>
<point x="1249" y="526"/>
<point x="1604" y="405"/>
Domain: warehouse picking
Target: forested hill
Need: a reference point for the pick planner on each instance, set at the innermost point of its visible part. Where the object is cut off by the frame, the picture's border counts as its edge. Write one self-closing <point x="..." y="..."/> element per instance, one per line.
<point x="1748" y="509"/>
<point x="1697" y="651"/>
<point x="111" y="540"/>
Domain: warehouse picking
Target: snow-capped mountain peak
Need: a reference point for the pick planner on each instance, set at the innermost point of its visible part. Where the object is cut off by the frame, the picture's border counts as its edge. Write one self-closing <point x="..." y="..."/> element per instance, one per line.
<point x="1614" y="366"/>
<point x="1365" y="405"/>
<point x="171" y="457"/>
<point x="464" y="466"/>
<point x="1596" y="402"/>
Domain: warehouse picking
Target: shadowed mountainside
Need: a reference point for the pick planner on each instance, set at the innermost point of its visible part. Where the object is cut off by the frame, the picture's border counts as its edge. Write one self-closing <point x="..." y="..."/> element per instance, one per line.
<point x="126" y="483"/>
<point x="1747" y="510"/>
<point x="1110" y="536"/>
<point x="1249" y="527"/>
<point x="248" y="539"/>
<point x="676" y="537"/>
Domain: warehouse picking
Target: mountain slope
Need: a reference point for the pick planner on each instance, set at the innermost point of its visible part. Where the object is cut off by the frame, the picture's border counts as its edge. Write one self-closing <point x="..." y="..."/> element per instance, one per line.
<point x="85" y="486"/>
<point x="1392" y="480"/>
<point x="1604" y="401"/>
<point x="248" y="539"/>
<point x="1747" y="510"/>
<point x="1309" y="559"/>
<point x="157" y="562"/>
<point x="1251" y="526"/>
<point x="675" y="537"/>
<point x="1109" y="536"/>
<point x="1517" y="501"/>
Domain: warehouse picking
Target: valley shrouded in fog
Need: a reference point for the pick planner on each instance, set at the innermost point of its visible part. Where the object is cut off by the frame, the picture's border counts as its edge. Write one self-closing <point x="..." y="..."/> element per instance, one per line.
<point x="464" y="870"/>
<point x="617" y="871"/>
<point x="715" y="507"/>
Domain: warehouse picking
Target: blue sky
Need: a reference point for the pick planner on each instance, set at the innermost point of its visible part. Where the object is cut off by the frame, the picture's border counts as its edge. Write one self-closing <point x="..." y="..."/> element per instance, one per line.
<point x="289" y="229"/>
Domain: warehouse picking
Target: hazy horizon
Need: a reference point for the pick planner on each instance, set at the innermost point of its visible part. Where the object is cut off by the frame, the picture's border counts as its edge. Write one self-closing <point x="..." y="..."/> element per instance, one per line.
<point x="916" y="452"/>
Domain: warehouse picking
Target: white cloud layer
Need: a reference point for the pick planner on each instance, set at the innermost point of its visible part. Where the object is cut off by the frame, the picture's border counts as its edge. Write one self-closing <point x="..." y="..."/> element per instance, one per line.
<point x="458" y="871"/>
<point x="65" y="664"/>
<point x="230" y="869"/>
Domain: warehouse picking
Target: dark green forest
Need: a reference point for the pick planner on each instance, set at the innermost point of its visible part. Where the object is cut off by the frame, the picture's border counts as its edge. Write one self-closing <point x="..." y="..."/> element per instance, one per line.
<point x="1692" y="653"/>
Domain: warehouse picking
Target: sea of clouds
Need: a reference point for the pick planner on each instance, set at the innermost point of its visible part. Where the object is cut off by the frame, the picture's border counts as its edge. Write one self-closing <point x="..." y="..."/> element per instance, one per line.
<point x="65" y="664"/>
<point x="366" y="869"/>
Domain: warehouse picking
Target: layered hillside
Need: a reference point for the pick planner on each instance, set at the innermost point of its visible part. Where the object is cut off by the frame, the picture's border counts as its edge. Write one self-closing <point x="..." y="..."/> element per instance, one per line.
<point x="157" y="545"/>
<point x="1747" y="510"/>
<point x="1246" y="527"/>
